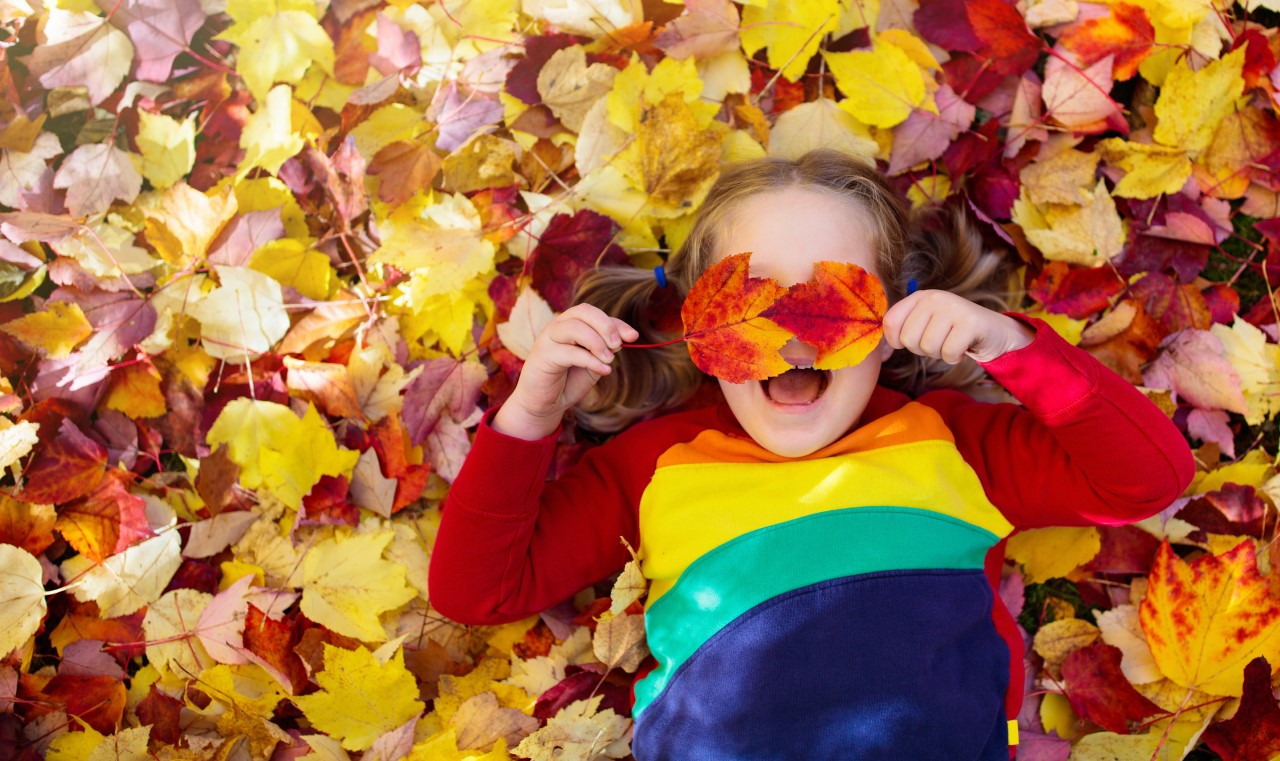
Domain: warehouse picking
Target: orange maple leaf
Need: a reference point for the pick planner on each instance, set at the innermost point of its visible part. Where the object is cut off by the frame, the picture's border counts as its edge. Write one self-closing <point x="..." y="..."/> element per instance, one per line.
<point x="723" y="326"/>
<point x="1205" y="620"/>
<point x="840" y="312"/>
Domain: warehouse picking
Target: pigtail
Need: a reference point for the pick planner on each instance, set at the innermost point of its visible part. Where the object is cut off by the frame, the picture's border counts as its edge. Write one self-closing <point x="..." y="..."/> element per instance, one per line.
<point x="643" y="381"/>
<point x="945" y="252"/>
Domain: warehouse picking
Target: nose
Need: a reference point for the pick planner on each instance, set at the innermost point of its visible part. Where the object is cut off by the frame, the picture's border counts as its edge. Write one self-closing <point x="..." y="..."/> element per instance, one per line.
<point x="797" y="352"/>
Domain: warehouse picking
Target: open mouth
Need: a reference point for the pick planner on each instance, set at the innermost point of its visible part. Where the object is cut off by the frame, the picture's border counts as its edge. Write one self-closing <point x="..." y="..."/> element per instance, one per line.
<point x="797" y="386"/>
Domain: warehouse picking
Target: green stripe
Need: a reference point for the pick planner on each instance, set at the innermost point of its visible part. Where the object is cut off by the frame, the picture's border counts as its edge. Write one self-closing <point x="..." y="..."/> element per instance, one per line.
<point x="738" y="575"/>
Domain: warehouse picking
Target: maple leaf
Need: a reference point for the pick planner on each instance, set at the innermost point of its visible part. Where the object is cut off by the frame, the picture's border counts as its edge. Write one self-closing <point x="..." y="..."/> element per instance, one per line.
<point x="1253" y="732"/>
<point x="724" y="326"/>
<point x="360" y="698"/>
<point x="707" y="28"/>
<point x="1099" y="692"/>
<point x="81" y="49"/>
<point x="1046" y="553"/>
<point x="128" y="580"/>
<point x="569" y="245"/>
<point x="1205" y="620"/>
<point x="159" y="29"/>
<point x="106" y="521"/>
<point x="277" y="44"/>
<point x="888" y="83"/>
<point x="346" y="585"/>
<point x="840" y="312"/>
<point x="579" y="733"/>
<point x="94" y="176"/>
<point x="1125" y="33"/>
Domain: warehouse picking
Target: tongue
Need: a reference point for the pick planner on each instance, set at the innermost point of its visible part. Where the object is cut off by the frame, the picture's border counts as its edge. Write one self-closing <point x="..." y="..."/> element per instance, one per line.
<point x="795" y="386"/>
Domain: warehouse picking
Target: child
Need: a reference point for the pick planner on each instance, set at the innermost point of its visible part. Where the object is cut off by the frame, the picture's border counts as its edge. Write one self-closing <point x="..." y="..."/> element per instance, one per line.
<point x="820" y="549"/>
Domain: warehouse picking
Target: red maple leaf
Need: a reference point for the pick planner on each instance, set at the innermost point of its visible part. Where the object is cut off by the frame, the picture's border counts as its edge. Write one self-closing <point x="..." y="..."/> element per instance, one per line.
<point x="1253" y="734"/>
<point x="1099" y="691"/>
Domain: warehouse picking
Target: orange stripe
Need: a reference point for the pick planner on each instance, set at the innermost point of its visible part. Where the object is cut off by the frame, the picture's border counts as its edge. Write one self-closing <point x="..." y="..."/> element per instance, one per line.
<point x="913" y="422"/>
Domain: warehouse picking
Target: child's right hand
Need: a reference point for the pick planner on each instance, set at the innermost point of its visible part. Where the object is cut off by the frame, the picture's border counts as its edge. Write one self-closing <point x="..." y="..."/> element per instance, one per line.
<point x="571" y="353"/>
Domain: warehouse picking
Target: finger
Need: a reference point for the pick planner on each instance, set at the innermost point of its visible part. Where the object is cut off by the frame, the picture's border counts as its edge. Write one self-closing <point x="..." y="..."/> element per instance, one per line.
<point x="575" y="331"/>
<point x="629" y="333"/>
<point x="913" y="329"/>
<point x="893" y="319"/>
<point x="570" y="355"/>
<point x="599" y="321"/>
<point x="935" y="335"/>
<point x="954" y="348"/>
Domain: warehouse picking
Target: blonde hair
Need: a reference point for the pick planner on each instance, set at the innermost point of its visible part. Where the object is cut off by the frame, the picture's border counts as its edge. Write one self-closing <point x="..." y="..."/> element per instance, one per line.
<point x="936" y="246"/>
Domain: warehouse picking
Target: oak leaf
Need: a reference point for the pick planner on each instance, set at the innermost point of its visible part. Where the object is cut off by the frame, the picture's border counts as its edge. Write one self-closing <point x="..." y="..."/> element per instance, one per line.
<point x="1205" y="620"/>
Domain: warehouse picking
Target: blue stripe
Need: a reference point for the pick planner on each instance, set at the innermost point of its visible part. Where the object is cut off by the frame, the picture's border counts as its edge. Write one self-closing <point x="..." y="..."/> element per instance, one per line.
<point x="880" y="666"/>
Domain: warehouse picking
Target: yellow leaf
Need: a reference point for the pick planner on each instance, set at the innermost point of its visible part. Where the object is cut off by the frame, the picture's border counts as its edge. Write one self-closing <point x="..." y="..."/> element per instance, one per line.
<point x="442" y="248"/>
<point x="346" y="585"/>
<point x="1257" y="362"/>
<point x="456" y="690"/>
<point x="361" y="699"/>
<point x="1249" y="470"/>
<point x="1069" y="328"/>
<point x="185" y="221"/>
<point x="821" y="124"/>
<point x="170" y="629"/>
<point x="444" y="747"/>
<point x="443" y="318"/>
<point x="168" y="147"/>
<point x="636" y="88"/>
<point x="106" y="250"/>
<point x="74" y="746"/>
<point x="262" y="438"/>
<point x="1090" y="234"/>
<point x="269" y="138"/>
<point x="1064" y="177"/>
<point x="579" y="728"/>
<point x="1191" y="104"/>
<point x="619" y="642"/>
<point x="1205" y="620"/>
<point x="1108" y="746"/>
<point x="290" y="262"/>
<point x="22" y="605"/>
<point x="883" y="84"/>
<point x="1047" y="553"/>
<point x="569" y="87"/>
<point x="671" y="159"/>
<point x="247" y="687"/>
<point x="277" y="42"/>
<point x="243" y="317"/>
<point x="791" y="29"/>
<point x="127" y="580"/>
<point x="16" y="440"/>
<point x="57" y="330"/>
<point x="1150" y="170"/>
<point x="1056" y="640"/>
<point x="265" y="193"/>
<point x="135" y="390"/>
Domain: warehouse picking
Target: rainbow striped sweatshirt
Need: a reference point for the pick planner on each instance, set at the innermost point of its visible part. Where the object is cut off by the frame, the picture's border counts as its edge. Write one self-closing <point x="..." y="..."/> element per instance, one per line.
<point x="837" y="605"/>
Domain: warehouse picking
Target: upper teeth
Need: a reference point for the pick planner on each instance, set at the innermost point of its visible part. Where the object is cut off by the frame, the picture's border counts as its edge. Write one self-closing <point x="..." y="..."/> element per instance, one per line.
<point x="803" y="367"/>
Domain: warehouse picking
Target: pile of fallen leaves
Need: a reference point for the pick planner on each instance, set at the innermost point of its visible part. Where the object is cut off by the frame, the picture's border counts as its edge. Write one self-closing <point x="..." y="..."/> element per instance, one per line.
<point x="262" y="265"/>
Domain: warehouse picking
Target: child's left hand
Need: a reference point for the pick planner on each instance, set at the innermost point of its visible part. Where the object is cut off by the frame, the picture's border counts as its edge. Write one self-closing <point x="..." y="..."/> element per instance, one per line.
<point x="945" y="326"/>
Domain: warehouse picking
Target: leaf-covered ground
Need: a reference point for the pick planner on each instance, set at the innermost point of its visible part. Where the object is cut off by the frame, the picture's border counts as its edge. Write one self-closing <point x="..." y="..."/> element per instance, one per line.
<point x="263" y="264"/>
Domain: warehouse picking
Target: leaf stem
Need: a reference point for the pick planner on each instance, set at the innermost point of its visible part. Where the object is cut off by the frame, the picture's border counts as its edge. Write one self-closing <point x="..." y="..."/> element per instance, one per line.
<point x="652" y="346"/>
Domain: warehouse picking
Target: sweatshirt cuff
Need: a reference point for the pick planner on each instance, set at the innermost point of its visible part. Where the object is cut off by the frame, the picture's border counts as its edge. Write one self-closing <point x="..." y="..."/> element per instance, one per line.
<point x="1049" y="376"/>
<point x="501" y="466"/>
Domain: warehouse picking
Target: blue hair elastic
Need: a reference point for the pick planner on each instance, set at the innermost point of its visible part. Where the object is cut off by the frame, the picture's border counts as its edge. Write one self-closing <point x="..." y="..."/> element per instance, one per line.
<point x="912" y="285"/>
<point x="661" y="275"/>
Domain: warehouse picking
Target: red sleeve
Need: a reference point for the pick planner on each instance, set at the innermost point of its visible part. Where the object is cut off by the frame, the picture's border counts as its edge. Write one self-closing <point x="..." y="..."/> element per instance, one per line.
<point x="1086" y="447"/>
<point x="511" y="544"/>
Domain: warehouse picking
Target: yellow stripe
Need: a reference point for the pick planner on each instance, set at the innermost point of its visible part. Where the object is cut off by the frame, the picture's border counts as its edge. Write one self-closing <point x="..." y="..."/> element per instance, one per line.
<point x="1013" y="731"/>
<point x="689" y="509"/>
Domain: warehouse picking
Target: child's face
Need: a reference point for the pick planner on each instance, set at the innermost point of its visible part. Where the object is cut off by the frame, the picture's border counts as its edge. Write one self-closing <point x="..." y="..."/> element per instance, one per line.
<point x="787" y="231"/>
